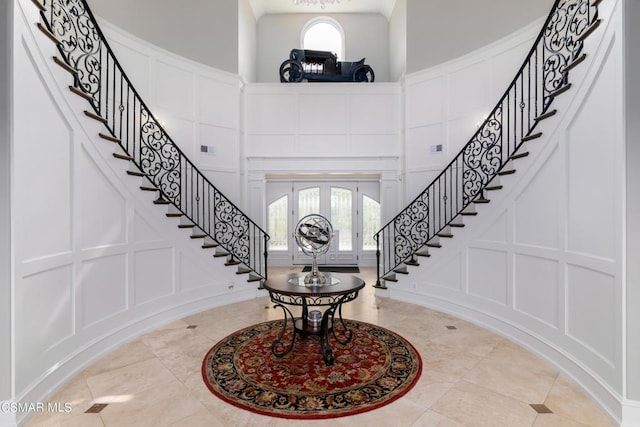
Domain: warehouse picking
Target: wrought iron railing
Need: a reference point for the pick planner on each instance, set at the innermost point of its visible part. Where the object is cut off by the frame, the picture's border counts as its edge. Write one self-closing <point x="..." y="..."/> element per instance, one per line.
<point x="99" y="76"/>
<point x="543" y="75"/>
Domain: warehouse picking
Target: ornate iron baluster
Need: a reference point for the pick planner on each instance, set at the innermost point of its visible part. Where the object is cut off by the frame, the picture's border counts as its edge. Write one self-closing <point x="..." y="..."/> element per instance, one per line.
<point x="500" y="135"/>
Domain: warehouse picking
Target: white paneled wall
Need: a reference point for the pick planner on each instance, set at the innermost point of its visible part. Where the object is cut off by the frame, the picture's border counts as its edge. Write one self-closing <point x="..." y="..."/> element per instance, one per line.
<point x="323" y="128"/>
<point x="446" y="104"/>
<point x="95" y="261"/>
<point x="197" y="105"/>
<point x="543" y="262"/>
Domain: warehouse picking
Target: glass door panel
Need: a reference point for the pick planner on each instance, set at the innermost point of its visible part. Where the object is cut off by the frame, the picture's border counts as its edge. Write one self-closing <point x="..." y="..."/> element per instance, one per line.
<point x="342" y="217"/>
<point x="352" y="207"/>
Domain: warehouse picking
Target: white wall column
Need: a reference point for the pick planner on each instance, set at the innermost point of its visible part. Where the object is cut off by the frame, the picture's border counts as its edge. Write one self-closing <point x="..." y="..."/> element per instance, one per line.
<point x="6" y="372"/>
<point x="631" y="15"/>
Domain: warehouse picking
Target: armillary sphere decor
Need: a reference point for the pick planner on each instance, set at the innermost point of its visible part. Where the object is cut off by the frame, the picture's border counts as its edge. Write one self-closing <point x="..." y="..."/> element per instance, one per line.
<point x="313" y="234"/>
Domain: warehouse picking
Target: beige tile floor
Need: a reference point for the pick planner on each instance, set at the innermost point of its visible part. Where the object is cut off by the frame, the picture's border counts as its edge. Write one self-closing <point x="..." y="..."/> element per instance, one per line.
<point x="471" y="377"/>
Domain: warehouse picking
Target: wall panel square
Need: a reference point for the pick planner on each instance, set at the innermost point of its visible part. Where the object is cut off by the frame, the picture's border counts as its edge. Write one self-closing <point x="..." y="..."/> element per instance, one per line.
<point x="103" y="288"/>
<point x="536" y="288"/>
<point x="487" y="274"/>
<point x="154" y="274"/>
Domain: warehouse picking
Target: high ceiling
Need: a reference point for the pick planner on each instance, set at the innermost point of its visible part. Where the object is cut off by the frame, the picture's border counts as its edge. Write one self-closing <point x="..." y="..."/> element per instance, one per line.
<point x="262" y="7"/>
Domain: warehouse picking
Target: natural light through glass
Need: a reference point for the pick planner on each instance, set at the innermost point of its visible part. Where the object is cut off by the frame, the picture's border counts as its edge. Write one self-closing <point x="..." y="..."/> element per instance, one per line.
<point x="370" y="222"/>
<point x="342" y="217"/>
<point x="323" y="36"/>
<point x="277" y="227"/>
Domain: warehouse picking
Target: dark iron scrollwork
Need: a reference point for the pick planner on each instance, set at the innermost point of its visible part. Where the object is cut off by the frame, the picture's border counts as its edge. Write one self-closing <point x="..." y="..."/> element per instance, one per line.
<point x="482" y="156"/>
<point x="411" y="227"/>
<point x="160" y="158"/>
<point x="501" y="134"/>
<point x="80" y="42"/>
<point x="100" y="76"/>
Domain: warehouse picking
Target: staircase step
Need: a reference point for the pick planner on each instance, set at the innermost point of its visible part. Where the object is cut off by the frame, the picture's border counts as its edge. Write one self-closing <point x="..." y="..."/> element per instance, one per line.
<point x="401" y="270"/>
<point x="507" y="172"/>
<point x="68" y="68"/>
<point x="575" y="63"/>
<point x="532" y="136"/>
<point x="243" y="270"/>
<point x="81" y="93"/>
<point x="48" y="33"/>
<point x="185" y="222"/>
<point x="220" y="253"/>
<point x="493" y="187"/>
<point x="197" y="233"/>
<point x="254" y="278"/>
<point x="172" y="211"/>
<point x="232" y="261"/>
<point x="412" y="262"/>
<point x="109" y="137"/>
<point x="391" y="277"/>
<point x="481" y="200"/>
<point x="150" y="188"/>
<point x="94" y="116"/>
<point x="445" y="232"/>
<point x="423" y="253"/>
<point x="469" y="210"/>
<point x="590" y="30"/>
<point x="560" y="91"/>
<point x="134" y="171"/>
<point x="456" y="224"/>
<point x="122" y="156"/>
<point x="519" y="155"/>
<point x="39" y="5"/>
<point x="434" y="245"/>
<point x="160" y="201"/>
<point x="546" y="115"/>
<point x="209" y="243"/>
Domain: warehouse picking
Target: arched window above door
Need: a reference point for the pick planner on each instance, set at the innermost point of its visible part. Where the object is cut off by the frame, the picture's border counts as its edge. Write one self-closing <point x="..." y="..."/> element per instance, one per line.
<point x="323" y="33"/>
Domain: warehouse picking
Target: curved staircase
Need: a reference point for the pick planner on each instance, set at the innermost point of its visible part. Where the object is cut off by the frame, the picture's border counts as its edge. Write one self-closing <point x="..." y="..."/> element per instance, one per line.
<point x="493" y="151"/>
<point x="139" y="139"/>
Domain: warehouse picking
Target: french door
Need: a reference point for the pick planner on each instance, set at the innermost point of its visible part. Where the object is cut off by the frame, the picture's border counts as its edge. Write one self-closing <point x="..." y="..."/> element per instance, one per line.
<point x="352" y="207"/>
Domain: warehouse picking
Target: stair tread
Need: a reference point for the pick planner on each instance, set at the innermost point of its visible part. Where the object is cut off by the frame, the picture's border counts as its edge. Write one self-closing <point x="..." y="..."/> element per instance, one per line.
<point x="546" y="115"/>
<point x="560" y="90"/>
<point x="122" y="156"/>
<point x="531" y="136"/>
<point x="109" y="137"/>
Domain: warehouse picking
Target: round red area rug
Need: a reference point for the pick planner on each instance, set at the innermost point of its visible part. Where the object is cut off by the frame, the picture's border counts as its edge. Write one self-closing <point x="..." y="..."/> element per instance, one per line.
<point x="374" y="369"/>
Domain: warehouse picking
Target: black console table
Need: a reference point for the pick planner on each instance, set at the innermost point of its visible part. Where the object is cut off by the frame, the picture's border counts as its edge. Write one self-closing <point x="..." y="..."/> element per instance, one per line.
<point x="292" y="291"/>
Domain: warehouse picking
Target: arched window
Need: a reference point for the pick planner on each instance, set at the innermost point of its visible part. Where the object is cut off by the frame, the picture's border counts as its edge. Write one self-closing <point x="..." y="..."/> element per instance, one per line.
<point x="323" y="33"/>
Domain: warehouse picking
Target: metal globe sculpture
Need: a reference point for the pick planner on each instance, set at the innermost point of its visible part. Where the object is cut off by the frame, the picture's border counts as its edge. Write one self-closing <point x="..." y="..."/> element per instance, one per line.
<point x="313" y="234"/>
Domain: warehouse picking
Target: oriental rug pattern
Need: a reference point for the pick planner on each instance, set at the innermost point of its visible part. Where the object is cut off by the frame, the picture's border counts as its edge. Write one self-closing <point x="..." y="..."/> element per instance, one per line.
<point x="374" y="369"/>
